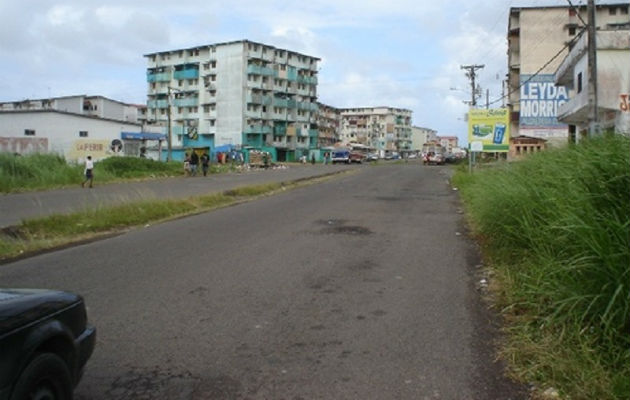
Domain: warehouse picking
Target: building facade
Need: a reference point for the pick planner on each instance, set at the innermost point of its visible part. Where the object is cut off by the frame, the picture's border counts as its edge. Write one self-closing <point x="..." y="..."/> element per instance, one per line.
<point x="613" y="83"/>
<point x="241" y="93"/>
<point x="420" y="136"/>
<point x="449" y="143"/>
<point x="75" y="127"/>
<point x="328" y="122"/>
<point x="535" y="36"/>
<point x="384" y="129"/>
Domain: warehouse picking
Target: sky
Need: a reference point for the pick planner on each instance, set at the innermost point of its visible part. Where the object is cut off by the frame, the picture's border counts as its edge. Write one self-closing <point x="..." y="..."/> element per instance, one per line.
<point x="397" y="53"/>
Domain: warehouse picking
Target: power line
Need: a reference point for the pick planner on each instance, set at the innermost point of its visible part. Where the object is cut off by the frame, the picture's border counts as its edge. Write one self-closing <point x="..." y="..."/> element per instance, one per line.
<point x="577" y="12"/>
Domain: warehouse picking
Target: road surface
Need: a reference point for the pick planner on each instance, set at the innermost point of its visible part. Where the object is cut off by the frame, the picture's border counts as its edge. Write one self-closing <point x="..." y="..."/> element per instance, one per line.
<point x="361" y="287"/>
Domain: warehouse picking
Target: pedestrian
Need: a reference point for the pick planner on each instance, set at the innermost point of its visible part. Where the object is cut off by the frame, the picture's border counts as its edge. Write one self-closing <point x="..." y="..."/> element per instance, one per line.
<point x="313" y="159"/>
<point x="194" y="161"/>
<point x="186" y="165"/>
<point x="89" y="171"/>
<point x="205" y="163"/>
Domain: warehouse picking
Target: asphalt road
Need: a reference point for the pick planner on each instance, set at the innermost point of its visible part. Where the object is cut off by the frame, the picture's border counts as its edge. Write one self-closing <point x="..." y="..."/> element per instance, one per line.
<point x="15" y="207"/>
<point x="361" y="287"/>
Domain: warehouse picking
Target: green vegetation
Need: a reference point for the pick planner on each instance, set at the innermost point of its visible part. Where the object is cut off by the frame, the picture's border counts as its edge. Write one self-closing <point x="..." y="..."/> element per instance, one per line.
<point x="45" y="171"/>
<point x="555" y="230"/>
<point x="48" y="232"/>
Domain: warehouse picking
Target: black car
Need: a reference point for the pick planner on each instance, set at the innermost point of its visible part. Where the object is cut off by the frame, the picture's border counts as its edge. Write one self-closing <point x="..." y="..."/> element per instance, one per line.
<point x="45" y="341"/>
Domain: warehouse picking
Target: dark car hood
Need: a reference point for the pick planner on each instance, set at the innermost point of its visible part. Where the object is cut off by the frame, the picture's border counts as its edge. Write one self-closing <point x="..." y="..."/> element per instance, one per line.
<point x="19" y="307"/>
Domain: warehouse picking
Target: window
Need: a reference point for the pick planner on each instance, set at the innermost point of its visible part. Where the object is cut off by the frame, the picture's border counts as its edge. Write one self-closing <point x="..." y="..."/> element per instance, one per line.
<point x="579" y="82"/>
<point x="572" y="12"/>
<point x="624" y="10"/>
<point x="29" y="132"/>
<point x="572" y="31"/>
<point x="612" y="11"/>
<point x="83" y="134"/>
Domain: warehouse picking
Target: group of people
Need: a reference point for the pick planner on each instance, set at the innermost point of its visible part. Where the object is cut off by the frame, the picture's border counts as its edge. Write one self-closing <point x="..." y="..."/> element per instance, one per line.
<point x="191" y="163"/>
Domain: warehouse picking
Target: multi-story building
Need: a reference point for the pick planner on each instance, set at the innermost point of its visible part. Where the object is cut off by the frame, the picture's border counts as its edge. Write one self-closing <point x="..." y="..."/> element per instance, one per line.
<point x="613" y="83"/>
<point x="535" y="36"/>
<point x="384" y="129"/>
<point x="448" y="142"/>
<point x="75" y="127"/>
<point x="328" y="120"/>
<point x="237" y="93"/>
<point x="420" y="136"/>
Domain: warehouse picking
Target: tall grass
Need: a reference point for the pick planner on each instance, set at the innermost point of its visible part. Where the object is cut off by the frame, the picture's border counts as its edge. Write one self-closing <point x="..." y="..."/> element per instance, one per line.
<point x="557" y="229"/>
<point x="41" y="171"/>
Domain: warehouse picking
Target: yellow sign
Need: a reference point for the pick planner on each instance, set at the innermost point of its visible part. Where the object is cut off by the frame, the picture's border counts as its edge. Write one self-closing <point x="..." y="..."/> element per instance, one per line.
<point x="491" y="128"/>
<point x="82" y="148"/>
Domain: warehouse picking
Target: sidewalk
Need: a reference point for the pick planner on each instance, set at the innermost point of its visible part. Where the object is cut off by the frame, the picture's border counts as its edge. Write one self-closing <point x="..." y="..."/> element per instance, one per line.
<point x="19" y="206"/>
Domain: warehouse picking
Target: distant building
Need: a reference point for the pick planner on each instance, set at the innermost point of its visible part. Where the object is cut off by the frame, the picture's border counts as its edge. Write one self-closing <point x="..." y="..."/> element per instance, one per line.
<point x="384" y="129"/>
<point x="328" y="122"/>
<point x="522" y="145"/>
<point x="613" y="79"/>
<point x="535" y="36"/>
<point x="240" y="93"/>
<point x="448" y="142"/>
<point x="420" y="136"/>
<point x="75" y="126"/>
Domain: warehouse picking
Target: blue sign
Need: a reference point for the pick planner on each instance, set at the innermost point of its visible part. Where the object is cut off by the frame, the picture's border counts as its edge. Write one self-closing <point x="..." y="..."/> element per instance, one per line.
<point x="142" y="136"/>
<point x="540" y="99"/>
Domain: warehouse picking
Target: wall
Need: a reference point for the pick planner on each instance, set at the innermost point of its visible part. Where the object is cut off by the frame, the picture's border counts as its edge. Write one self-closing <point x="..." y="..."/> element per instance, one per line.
<point x="231" y="67"/>
<point x="62" y="132"/>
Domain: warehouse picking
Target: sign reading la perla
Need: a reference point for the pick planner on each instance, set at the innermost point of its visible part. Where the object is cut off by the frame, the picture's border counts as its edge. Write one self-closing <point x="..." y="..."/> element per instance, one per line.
<point x="540" y="99"/>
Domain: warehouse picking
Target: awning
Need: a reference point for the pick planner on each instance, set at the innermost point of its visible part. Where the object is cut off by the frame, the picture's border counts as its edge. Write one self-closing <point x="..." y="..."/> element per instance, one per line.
<point x="142" y="136"/>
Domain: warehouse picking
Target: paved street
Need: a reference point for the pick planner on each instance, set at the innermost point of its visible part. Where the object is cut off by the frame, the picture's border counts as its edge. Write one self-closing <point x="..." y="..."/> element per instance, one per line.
<point x="360" y="287"/>
<point x="17" y="206"/>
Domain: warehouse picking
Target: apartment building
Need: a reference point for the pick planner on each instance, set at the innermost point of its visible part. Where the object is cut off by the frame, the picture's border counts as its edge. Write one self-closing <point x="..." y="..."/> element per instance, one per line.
<point x="328" y="122"/>
<point x="240" y="93"/>
<point x="613" y="83"/>
<point x="535" y="36"/>
<point x="420" y="136"/>
<point x="448" y="142"/>
<point x="384" y="129"/>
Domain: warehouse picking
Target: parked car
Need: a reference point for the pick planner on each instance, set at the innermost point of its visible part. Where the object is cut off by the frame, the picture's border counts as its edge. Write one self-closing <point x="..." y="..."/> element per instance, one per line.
<point x="45" y="342"/>
<point x="341" y="156"/>
<point x="436" y="158"/>
<point x="372" y="157"/>
<point x="392" y="156"/>
<point x="357" y="157"/>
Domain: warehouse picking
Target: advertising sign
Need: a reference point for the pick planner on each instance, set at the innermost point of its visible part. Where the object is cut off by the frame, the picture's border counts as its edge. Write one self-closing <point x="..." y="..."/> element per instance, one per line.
<point x="81" y="148"/>
<point x="540" y="99"/>
<point x="491" y="128"/>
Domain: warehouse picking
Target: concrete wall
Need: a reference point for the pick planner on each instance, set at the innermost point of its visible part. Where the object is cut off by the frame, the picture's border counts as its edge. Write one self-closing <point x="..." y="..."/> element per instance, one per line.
<point x="231" y="86"/>
<point x="62" y="132"/>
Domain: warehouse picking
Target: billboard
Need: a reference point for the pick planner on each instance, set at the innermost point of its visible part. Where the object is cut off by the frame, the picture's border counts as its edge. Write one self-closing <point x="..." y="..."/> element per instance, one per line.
<point x="489" y="129"/>
<point x="540" y="99"/>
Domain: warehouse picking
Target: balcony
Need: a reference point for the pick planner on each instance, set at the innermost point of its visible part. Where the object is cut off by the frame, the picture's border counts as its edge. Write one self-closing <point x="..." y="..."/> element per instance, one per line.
<point x="158" y="77"/>
<point x="257" y="129"/>
<point x="157" y="103"/>
<point x="192" y="73"/>
<point x="309" y="80"/>
<point x="313" y="132"/>
<point x="258" y="70"/>
<point x="186" y="102"/>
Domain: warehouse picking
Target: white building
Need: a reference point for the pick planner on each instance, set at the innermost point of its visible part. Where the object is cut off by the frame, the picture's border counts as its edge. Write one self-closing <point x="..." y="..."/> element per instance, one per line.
<point x="385" y="129"/>
<point x="613" y="78"/>
<point x="420" y="136"/>
<point x="535" y="36"/>
<point x="74" y="126"/>
<point x="235" y="94"/>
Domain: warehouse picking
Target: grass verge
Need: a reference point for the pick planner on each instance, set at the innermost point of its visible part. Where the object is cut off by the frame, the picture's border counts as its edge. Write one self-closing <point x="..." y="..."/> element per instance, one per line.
<point x="40" y="234"/>
<point x="555" y="232"/>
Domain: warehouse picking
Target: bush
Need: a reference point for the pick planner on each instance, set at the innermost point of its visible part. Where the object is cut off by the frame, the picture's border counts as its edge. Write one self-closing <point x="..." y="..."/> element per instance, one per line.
<point x="36" y="171"/>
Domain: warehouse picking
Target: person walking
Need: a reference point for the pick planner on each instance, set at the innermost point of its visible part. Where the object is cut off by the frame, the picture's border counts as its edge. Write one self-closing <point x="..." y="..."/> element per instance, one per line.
<point x="205" y="163"/>
<point x="194" y="161"/>
<point x="89" y="171"/>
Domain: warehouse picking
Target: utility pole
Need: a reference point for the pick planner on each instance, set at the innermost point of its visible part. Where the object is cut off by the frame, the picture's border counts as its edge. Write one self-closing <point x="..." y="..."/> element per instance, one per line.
<point x="471" y="74"/>
<point x="168" y="129"/>
<point x="592" y="68"/>
<point x="487" y="99"/>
